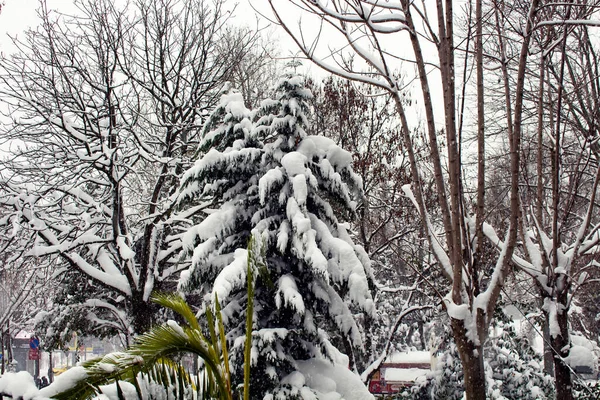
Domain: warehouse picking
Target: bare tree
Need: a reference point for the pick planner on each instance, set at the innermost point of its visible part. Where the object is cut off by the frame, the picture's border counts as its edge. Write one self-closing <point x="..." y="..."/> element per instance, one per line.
<point x="257" y="71"/>
<point x="104" y="110"/>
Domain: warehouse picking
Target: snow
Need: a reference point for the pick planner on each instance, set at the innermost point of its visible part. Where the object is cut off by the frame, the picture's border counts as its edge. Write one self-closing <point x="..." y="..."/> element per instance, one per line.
<point x="463" y="313"/>
<point x="267" y="181"/>
<point x="231" y="277"/>
<point x="19" y="384"/>
<point x="288" y="290"/>
<point x="299" y="221"/>
<point x="218" y="221"/>
<point x="324" y="147"/>
<point x="300" y="189"/>
<point x="118" y="282"/>
<point x="343" y="316"/>
<point x="124" y="250"/>
<point x="456" y="311"/>
<point x="106" y="367"/>
<point x="22" y="385"/>
<point x="64" y="381"/>
<point x="203" y="249"/>
<point x="413" y="357"/>
<point x="23" y="334"/>
<point x="106" y="263"/>
<point x="176" y="327"/>
<point x="584" y="342"/>
<point x="344" y="265"/>
<point x="331" y="381"/>
<point x="234" y="104"/>
<point x="580" y="356"/>
<point x="534" y="252"/>
<point x="550" y="307"/>
<point x="405" y="374"/>
<point x="294" y="163"/>
<point x="283" y="235"/>
<point x="294" y="379"/>
<point x="584" y="352"/>
<point x="98" y="303"/>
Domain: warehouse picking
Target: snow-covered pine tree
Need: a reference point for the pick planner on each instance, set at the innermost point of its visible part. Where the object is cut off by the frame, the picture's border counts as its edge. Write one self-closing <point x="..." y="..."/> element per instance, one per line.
<point x="287" y="189"/>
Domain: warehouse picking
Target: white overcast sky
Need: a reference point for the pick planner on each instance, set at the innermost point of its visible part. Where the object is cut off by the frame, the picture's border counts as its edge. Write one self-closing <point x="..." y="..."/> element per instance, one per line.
<point x="19" y="15"/>
<point x="16" y="16"/>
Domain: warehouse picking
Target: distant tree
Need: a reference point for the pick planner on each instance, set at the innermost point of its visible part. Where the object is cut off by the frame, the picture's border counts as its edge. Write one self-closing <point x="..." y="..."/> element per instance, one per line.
<point x="363" y="122"/>
<point x="22" y="285"/>
<point x="257" y="72"/>
<point x="560" y="172"/>
<point x="266" y="177"/>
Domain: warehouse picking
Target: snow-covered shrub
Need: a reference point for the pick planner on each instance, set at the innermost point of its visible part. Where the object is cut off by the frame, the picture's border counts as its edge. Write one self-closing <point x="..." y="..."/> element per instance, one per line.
<point x="586" y="390"/>
<point x="445" y="381"/>
<point x="517" y="370"/>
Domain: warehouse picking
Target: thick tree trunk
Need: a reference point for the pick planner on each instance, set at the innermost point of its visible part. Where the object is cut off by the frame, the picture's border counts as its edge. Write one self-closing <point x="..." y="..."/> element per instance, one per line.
<point x="471" y="357"/>
<point x="562" y="377"/>
<point x="548" y="354"/>
<point x="561" y="344"/>
<point x="143" y="313"/>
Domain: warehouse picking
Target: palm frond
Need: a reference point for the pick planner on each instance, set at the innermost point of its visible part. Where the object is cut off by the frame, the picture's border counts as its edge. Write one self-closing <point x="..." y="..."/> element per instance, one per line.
<point x="151" y="355"/>
<point x="176" y="303"/>
<point x="151" y="358"/>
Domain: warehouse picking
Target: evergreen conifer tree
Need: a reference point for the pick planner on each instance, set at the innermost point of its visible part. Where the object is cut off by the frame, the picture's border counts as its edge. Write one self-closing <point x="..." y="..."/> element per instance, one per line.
<point x="271" y="181"/>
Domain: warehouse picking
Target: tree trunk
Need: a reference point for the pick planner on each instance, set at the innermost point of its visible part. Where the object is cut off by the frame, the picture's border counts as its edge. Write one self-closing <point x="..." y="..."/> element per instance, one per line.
<point x="143" y="314"/>
<point x="2" y="352"/>
<point x="471" y="357"/>
<point x="50" y="367"/>
<point x="562" y="377"/>
<point x="561" y="345"/>
<point x="548" y="354"/>
<point x="8" y="344"/>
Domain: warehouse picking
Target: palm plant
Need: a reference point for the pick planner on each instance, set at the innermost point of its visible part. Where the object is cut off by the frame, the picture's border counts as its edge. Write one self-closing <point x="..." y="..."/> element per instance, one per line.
<point x="150" y="361"/>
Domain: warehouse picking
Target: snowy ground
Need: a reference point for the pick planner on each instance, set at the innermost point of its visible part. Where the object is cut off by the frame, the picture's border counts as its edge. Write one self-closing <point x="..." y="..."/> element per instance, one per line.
<point x="330" y="382"/>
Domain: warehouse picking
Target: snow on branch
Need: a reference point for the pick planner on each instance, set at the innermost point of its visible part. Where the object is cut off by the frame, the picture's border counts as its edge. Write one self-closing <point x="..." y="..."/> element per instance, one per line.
<point x="231" y="277"/>
<point x="462" y="312"/>
<point x="288" y="291"/>
<point x="373" y="16"/>
<point x="438" y="250"/>
<point x="120" y="314"/>
<point x="343" y="317"/>
<point x="110" y="274"/>
<point x="344" y="265"/>
<point x="118" y="282"/>
<point x="308" y="51"/>
<point x="532" y="270"/>
<point x="585" y="22"/>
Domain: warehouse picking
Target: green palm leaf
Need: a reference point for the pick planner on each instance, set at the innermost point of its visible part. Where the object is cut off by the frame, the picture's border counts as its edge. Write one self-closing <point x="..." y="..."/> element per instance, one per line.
<point x="152" y="355"/>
